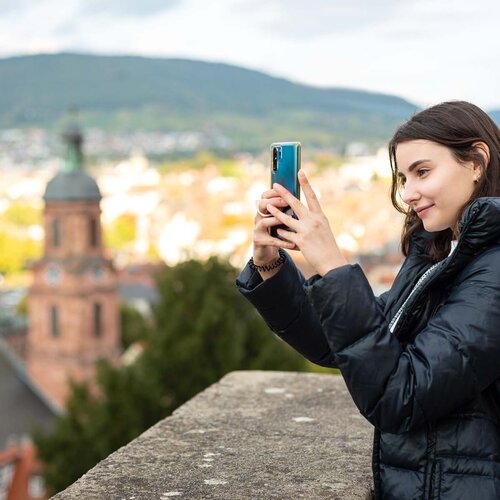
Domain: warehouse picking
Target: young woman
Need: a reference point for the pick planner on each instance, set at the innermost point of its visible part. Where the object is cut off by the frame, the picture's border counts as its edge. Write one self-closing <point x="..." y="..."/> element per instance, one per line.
<point x="422" y="361"/>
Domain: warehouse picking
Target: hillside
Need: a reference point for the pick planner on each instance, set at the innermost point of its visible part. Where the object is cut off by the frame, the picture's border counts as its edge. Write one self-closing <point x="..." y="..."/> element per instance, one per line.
<point x="125" y="93"/>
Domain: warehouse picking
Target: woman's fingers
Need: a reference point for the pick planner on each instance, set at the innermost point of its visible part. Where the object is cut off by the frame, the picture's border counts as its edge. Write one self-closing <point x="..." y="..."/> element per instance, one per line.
<point x="262" y="205"/>
<point x="270" y="193"/>
<point x="267" y="222"/>
<point x="282" y="217"/>
<point x="291" y="201"/>
<point x="275" y="242"/>
<point x="262" y="236"/>
<point x="310" y="195"/>
<point x="288" y="236"/>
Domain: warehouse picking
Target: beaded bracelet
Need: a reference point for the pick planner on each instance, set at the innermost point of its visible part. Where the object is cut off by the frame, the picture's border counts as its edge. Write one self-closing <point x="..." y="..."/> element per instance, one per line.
<point x="268" y="267"/>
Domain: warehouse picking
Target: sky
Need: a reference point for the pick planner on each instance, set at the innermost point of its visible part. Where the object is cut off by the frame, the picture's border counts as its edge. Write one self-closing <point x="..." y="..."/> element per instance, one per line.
<point x="426" y="51"/>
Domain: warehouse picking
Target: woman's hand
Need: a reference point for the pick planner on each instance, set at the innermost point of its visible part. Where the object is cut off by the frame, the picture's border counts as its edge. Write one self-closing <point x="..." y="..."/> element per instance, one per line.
<point x="312" y="236"/>
<point x="265" y="247"/>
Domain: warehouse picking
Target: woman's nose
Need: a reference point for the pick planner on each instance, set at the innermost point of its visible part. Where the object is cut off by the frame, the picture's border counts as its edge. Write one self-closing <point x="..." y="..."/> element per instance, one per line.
<point x="410" y="194"/>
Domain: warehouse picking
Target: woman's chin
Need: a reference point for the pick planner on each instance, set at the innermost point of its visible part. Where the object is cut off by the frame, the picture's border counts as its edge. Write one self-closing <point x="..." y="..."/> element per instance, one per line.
<point x="434" y="228"/>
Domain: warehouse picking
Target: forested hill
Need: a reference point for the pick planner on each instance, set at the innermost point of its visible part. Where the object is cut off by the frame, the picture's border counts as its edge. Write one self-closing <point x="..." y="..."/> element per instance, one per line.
<point x="131" y="93"/>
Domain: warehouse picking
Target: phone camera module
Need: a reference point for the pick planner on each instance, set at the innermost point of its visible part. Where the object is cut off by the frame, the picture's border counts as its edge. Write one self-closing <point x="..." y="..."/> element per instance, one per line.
<point x="276" y="154"/>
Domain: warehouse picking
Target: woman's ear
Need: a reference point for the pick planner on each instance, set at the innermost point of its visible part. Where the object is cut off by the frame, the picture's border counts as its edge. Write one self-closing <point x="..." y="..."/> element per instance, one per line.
<point x="483" y="149"/>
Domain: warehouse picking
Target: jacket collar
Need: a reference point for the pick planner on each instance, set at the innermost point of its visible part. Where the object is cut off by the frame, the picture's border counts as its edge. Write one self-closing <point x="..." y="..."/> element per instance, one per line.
<point x="479" y="229"/>
<point x="480" y="224"/>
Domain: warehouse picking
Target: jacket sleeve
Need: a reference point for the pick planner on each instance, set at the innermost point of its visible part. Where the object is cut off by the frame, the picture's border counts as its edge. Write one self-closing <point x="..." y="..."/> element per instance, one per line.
<point x="285" y="307"/>
<point x="450" y="362"/>
<point x="382" y="300"/>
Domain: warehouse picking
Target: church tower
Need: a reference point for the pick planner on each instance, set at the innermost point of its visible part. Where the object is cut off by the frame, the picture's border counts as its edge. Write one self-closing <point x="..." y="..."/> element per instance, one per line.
<point x="73" y="304"/>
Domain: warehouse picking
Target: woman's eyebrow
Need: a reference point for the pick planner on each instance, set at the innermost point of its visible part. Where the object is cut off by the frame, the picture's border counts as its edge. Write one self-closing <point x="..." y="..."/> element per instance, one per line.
<point x="413" y="166"/>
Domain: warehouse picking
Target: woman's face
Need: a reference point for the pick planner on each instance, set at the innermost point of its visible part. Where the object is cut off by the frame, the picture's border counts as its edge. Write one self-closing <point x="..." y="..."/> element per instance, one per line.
<point x="436" y="186"/>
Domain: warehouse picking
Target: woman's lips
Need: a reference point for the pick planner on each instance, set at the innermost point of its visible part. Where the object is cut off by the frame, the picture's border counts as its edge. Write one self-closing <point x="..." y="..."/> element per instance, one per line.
<point x="424" y="212"/>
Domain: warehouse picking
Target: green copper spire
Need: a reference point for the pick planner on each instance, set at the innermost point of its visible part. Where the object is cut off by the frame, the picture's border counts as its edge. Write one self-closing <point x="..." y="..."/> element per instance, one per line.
<point x="73" y="138"/>
<point x="72" y="183"/>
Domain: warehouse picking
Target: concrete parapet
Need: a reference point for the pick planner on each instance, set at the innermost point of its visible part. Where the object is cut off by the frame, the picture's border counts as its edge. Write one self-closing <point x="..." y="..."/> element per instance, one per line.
<point x="252" y="435"/>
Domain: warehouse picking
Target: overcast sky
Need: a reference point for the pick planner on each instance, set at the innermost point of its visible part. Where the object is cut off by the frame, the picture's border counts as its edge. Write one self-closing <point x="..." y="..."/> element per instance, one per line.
<point x="424" y="50"/>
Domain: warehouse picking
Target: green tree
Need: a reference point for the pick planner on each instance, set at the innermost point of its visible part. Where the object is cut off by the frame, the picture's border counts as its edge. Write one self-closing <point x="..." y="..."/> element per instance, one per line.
<point x="201" y="329"/>
<point x="205" y="329"/>
<point x="134" y="325"/>
<point x="95" y="425"/>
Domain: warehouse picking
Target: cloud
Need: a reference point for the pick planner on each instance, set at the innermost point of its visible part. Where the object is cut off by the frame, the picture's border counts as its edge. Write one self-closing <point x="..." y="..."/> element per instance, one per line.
<point x="13" y="6"/>
<point x="313" y="18"/>
<point x="424" y="50"/>
<point x="127" y="8"/>
<point x="309" y="19"/>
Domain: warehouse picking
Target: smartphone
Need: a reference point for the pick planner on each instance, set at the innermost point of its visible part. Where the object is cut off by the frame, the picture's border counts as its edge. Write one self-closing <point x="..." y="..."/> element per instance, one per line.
<point x="285" y="165"/>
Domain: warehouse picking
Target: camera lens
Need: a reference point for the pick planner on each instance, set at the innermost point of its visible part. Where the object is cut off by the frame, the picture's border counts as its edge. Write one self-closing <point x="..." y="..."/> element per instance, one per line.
<point x="275" y="159"/>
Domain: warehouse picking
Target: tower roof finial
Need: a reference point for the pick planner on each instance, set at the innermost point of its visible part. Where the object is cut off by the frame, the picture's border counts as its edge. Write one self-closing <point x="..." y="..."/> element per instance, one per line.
<point x="73" y="138"/>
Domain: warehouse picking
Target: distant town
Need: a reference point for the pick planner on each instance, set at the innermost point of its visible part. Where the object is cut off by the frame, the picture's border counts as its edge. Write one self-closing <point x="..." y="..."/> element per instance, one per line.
<point x="84" y="235"/>
<point x="181" y="209"/>
<point x="36" y="147"/>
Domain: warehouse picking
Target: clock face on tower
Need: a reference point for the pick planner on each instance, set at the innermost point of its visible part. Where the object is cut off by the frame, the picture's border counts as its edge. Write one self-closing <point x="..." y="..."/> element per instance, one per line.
<point x="53" y="275"/>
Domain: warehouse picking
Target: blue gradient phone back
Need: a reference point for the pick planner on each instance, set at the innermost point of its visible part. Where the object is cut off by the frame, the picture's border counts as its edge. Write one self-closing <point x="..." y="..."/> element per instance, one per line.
<point x="288" y="165"/>
<point x="285" y="165"/>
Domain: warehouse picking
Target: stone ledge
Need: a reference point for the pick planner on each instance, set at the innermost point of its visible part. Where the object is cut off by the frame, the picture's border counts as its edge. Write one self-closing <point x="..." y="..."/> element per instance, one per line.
<point x="252" y="435"/>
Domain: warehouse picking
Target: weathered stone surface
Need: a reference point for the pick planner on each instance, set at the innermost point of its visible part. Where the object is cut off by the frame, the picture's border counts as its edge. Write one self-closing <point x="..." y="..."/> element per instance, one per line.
<point x="252" y="435"/>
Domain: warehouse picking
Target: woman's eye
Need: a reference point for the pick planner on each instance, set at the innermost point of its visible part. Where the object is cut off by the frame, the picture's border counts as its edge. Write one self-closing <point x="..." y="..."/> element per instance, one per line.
<point x="422" y="171"/>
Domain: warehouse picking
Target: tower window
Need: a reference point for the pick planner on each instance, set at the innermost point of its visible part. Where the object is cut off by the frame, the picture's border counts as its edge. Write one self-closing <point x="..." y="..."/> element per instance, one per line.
<point x="93" y="232"/>
<point x="56" y="233"/>
<point x="97" y="320"/>
<point x="54" y="321"/>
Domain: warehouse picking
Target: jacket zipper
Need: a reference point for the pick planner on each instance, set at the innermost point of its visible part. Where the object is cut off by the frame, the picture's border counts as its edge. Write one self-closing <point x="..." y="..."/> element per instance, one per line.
<point x="431" y="481"/>
<point x="428" y="276"/>
<point x="421" y="283"/>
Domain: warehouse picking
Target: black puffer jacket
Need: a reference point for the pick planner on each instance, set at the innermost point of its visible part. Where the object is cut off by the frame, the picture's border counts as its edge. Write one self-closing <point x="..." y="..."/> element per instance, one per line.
<point x="432" y="387"/>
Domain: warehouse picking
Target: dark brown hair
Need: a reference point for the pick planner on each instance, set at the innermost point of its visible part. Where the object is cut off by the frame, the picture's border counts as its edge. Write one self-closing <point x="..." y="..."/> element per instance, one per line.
<point x="456" y="125"/>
